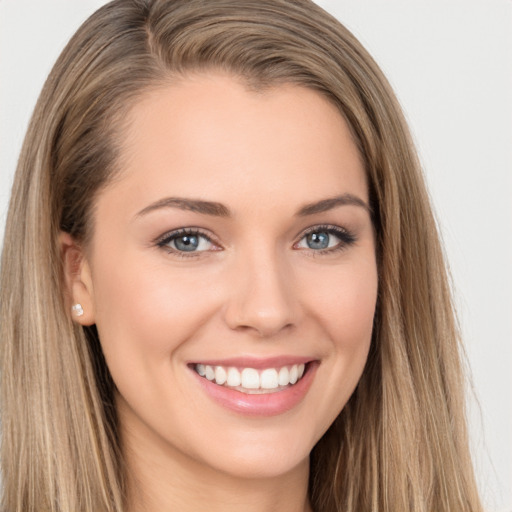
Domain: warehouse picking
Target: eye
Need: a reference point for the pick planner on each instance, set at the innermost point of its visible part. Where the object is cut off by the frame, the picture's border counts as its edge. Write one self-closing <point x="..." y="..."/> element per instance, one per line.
<point x="187" y="241"/>
<point x="325" y="239"/>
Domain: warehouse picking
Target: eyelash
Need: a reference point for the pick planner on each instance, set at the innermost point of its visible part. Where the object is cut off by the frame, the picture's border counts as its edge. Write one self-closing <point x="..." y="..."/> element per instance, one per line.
<point x="164" y="241"/>
<point x="346" y="240"/>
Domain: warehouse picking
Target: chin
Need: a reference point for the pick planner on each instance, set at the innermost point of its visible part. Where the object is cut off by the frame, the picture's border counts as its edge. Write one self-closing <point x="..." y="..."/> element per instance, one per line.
<point x="262" y="452"/>
<point x="262" y="463"/>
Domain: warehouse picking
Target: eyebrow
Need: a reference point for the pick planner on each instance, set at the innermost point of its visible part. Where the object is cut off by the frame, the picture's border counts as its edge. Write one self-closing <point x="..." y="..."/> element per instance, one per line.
<point x="219" y="210"/>
<point x="328" y="204"/>
<point x="193" y="205"/>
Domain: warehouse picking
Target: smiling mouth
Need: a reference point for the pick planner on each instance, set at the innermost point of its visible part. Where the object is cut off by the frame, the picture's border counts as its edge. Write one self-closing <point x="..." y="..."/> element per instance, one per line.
<point x="250" y="380"/>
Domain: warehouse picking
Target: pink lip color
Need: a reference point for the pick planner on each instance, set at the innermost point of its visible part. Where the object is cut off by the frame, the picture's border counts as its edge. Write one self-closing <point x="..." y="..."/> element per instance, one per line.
<point x="267" y="404"/>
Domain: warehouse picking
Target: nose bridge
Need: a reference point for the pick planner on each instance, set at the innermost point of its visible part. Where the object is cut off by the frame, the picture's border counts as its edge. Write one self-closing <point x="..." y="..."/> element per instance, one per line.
<point x="262" y="297"/>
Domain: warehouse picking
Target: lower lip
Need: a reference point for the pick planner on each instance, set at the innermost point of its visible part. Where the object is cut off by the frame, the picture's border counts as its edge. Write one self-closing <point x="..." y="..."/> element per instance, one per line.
<point x="267" y="404"/>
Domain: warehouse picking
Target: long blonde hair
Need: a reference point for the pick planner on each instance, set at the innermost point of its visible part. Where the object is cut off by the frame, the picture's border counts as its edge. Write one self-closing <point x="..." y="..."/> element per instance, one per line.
<point x="400" y="444"/>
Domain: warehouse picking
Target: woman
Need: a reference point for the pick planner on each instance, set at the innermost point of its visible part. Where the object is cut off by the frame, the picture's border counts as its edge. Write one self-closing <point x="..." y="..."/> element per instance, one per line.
<point x="222" y="284"/>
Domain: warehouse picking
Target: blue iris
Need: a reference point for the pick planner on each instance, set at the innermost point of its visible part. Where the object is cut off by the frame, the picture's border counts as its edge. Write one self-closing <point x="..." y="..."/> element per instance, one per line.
<point x="186" y="243"/>
<point x="318" y="240"/>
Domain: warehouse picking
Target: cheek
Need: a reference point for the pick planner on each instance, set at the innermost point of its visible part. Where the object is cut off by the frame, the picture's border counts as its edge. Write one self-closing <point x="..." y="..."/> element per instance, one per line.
<point x="352" y="312"/>
<point x="153" y="303"/>
<point x="352" y="324"/>
<point x="345" y="309"/>
<point x="345" y="304"/>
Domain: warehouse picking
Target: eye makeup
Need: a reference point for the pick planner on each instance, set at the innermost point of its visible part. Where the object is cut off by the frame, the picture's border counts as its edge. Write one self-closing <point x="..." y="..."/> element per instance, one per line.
<point x="319" y="239"/>
<point x="187" y="242"/>
<point x="322" y="239"/>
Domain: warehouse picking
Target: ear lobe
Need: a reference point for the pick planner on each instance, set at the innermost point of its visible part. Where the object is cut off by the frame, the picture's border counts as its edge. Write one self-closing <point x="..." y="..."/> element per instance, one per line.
<point x="78" y="280"/>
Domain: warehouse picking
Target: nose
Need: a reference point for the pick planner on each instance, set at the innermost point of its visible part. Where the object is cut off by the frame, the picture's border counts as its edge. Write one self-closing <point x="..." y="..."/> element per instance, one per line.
<point x="262" y="299"/>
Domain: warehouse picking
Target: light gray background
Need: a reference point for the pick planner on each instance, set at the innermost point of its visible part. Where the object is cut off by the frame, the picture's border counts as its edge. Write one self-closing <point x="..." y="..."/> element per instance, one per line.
<point x="450" y="62"/>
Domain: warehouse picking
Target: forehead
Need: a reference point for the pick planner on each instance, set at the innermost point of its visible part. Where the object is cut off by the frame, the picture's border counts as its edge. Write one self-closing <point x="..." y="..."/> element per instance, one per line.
<point x="208" y="136"/>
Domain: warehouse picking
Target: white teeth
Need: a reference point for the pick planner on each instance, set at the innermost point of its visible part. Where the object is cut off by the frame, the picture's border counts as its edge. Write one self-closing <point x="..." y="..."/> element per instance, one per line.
<point x="294" y="374"/>
<point x="220" y="375"/>
<point x="250" y="378"/>
<point x="269" y="379"/>
<point x="201" y="370"/>
<point x="234" y="378"/>
<point x="284" y="376"/>
<point x="209" y="372"/>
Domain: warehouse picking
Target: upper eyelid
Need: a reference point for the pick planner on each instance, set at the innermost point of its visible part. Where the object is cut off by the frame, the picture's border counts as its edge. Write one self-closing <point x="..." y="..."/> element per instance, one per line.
<point x="347" y="237"/>
<point x="163" y="242"/>
<point x="166" y="237"/>
<point x="318" y="227"/>
<point x="326" y="227"/>
<point x="175" y="233"/>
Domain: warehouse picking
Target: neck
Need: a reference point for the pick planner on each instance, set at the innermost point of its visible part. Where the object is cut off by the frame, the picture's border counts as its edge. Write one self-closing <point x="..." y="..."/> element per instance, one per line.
<point x="163" y="480"/>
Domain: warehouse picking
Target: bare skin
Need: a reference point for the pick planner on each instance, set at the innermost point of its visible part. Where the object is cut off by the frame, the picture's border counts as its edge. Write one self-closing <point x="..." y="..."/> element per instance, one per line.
<point x="238" y="234"/>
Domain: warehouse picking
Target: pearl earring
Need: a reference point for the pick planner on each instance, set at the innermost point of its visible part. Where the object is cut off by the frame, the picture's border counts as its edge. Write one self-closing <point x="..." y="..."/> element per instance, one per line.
<point x="77" y="309"/>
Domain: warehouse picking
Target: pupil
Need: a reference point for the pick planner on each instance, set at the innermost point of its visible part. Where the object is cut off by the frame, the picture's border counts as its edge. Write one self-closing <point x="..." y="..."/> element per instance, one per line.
<point x="186" y="243"/>
<point x="318" y="240"/>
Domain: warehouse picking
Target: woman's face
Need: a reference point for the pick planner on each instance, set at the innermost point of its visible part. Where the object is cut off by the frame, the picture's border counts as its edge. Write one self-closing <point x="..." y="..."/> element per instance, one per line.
<point x="234" y="252"/>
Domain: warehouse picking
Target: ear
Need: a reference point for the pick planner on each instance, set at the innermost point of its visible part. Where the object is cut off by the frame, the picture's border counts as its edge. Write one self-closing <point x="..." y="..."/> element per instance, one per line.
<point x="78" y="280"/>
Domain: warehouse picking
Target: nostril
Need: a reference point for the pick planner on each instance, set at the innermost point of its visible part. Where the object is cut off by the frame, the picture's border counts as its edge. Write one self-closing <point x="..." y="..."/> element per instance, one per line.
<point x="263" y="331"/>
<point x="261" y="298"/>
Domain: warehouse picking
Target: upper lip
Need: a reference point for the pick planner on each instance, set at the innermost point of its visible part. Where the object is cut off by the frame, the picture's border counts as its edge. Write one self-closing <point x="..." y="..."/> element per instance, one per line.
<point x="256" y="362"/>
